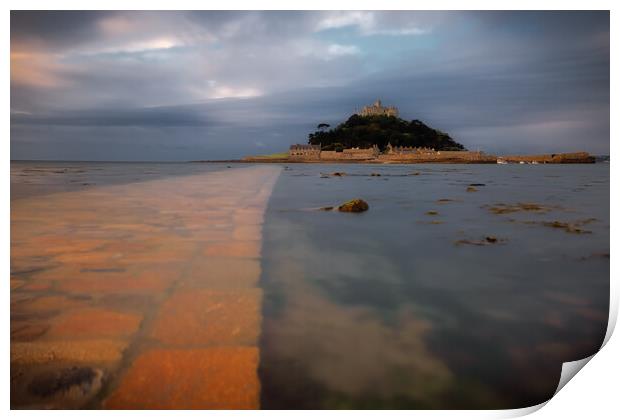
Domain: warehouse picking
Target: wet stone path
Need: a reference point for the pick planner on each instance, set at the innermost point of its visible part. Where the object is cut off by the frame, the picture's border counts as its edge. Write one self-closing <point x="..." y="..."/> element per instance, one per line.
<point x="140" y="296"/>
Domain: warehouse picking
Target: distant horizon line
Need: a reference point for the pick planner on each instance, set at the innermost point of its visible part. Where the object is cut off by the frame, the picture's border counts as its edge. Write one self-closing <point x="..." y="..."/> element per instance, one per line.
<point x="226" y="160"/>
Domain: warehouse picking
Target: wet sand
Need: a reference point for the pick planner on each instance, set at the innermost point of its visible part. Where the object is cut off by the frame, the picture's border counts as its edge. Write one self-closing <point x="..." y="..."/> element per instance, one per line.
<point x="142" y="295"/>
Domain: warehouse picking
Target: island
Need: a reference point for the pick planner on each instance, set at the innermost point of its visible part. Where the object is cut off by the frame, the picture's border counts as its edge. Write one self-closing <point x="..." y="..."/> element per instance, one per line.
<point x="376" y="134"/>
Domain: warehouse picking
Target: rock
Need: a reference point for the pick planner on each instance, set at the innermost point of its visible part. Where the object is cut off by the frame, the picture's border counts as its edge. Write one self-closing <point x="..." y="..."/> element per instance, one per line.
<point x="74" y="382"/>
<point x="574" y="227"/>
<point x="432" y="213"/>
<point x="477" y="185"/>
<point x="596" y="255"/>
<point x="354" y="206"/>
<point x="415" y="174"/>
<point x="327" y="208"/>
<point x="472" y="189"/>
<point x="488" y="240"/>
<point x="501" y="208"/>
<point x="375" y="174"/>
<point x="338" y="174"/>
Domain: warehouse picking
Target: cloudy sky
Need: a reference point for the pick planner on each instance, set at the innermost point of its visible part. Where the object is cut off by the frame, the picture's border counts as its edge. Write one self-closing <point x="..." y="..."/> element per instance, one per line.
<point x="215" y="85"/>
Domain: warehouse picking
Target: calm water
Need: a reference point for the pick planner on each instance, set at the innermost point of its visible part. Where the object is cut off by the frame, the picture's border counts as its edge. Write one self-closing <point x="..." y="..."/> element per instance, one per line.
<point x="31" y="178"/>
<point x="385" y="309"/>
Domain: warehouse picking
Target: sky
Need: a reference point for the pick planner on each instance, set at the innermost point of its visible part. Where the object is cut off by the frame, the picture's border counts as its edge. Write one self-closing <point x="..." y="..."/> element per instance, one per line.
<point x="175" y="86"/>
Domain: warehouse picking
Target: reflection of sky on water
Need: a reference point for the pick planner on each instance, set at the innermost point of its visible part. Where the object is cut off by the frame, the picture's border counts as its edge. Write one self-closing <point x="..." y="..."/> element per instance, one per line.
<point x="29" y="178"/>
<point x="383" y="309"/>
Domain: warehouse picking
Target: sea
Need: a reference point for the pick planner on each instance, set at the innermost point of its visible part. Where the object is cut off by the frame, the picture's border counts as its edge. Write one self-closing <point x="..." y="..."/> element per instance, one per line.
<point x="462" y="286"/>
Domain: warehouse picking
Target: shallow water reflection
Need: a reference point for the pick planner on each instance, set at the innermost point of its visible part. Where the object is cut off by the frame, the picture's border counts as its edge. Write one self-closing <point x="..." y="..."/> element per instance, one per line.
<point x="411" y="305"/>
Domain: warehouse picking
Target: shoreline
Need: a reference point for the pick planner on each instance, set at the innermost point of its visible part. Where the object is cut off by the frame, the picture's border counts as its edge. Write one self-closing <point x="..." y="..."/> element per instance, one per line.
<point x="389" y="159"/>
<point x="511" y="161"/>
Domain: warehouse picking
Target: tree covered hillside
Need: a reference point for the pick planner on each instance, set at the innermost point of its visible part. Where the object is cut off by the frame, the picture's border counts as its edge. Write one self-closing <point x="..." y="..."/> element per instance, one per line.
<point x="364" y="132"/>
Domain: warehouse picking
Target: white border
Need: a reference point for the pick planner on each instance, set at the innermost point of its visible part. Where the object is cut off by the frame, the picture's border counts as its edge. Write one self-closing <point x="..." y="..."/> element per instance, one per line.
<point x="592" y="394"/>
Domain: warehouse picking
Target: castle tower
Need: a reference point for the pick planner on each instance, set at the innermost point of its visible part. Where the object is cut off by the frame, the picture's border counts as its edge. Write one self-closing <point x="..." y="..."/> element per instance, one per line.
<point x="377" y="108"/>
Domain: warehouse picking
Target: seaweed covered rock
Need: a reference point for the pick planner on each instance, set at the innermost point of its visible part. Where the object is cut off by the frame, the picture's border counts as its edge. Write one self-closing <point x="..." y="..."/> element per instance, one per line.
<point x="354" y="206"/>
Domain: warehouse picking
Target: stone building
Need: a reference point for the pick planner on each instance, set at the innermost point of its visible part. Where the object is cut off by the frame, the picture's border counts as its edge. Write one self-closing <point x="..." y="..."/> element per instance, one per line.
<point x="404" y="150"/>
<point x="304" y="151"/>
<point x="357" y="153"/>
<point x="378" y="109"/>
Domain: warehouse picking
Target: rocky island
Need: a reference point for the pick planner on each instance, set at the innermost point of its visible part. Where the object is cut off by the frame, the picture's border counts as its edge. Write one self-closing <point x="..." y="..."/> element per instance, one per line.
<point x="376" y="134"/>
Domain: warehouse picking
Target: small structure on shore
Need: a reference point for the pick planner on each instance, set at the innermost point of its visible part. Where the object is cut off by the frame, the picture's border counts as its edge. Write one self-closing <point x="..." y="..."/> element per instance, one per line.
<point x="402" y="150"/>
<point x="304" y="151"/>
<point x="357" y="153"/>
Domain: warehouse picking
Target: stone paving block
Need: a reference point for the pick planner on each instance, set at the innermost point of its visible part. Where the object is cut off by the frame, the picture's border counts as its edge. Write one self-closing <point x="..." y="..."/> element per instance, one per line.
<point x="248" y="217"/>
<point x="213" y="378"/>
<point x="78" y="351"/>
<point x="151" y="278"/>
<point x="46" y="305"/>
<point x="16" y="283"/>
<point x="248" y="233"/>
<point x="172" y="251"/>
<point x="209" y="317"/>
<point x="94" y="322"/>
<point x="27" y="331"/>
<point x="248" y="249"/>
<point x="222" y="273"/>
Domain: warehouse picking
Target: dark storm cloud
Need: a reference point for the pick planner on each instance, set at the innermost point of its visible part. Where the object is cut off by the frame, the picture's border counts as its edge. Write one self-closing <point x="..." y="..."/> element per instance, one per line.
<point x="55" y="29"/>
<point x="161" y="116"/>
<point x="226" y="84"/>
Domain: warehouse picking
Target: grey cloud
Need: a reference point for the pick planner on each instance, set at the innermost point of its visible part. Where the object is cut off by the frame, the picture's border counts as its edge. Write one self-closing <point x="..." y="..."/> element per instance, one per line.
<point x="500" y="81"/>
<point x="55" y="29"/>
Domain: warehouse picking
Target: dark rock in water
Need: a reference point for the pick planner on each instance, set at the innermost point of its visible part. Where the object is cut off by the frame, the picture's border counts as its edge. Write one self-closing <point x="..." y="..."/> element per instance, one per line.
<point x="432" y="213"/>
<point x="501" y="208"/>
<point x="375" y="174"/>
<point x="430" y="222"/>
<point x="228" y="166"/>
<point x="74" y="382"/>
<point x="339" y="174"/>
<point x="472" y="189"/>
<point x="477" y="185"/>
<point x="488" y="240"/>
<point x="354" y="206"/>
<point x="415" y="174"/>
<point x="327" y="208"/>
<point x="596" y="255"/>
<point x="574" y="227"/>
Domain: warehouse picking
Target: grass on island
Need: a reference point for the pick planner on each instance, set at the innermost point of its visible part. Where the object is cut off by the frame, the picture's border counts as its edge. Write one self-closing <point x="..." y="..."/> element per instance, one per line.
<point x="281" y="155"/>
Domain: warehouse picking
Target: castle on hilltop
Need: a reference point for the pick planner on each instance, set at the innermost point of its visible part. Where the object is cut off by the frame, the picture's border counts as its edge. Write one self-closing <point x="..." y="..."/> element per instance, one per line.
<point x="378" y="109"/>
